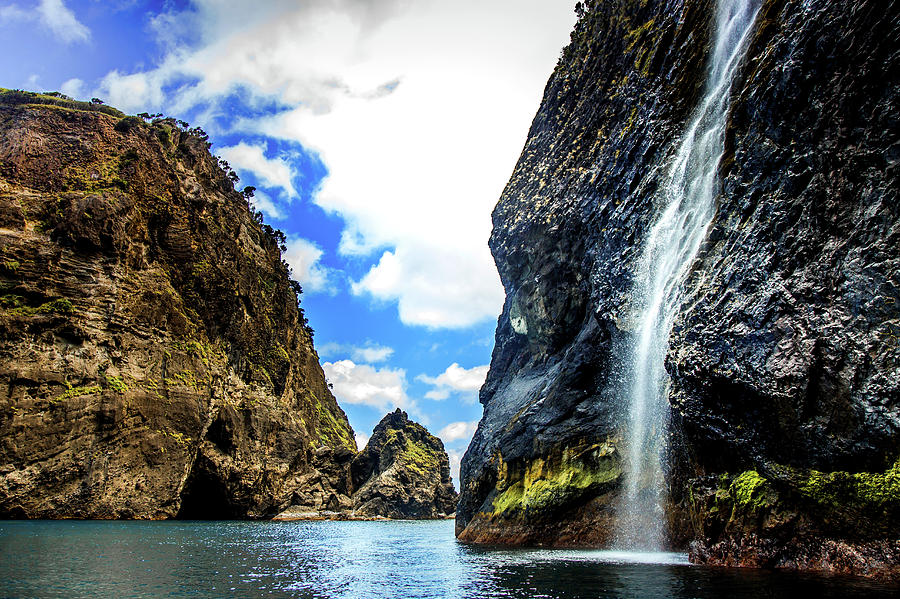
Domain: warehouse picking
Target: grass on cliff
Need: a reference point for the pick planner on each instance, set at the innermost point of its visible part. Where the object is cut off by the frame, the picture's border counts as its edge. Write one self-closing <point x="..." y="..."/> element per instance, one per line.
<point x="15" y="97"/>
<point x="17" y="306"/>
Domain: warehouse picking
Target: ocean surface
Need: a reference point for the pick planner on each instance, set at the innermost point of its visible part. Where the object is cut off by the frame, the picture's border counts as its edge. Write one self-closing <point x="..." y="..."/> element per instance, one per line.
<point x="365" y="560"/>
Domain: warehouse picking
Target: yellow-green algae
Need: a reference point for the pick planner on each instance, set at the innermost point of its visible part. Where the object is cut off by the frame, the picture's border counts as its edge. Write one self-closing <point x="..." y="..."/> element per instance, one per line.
<point x="554" y="481"/>
<point x="16" y="306"/>
<point x="749" y="490"/>
<point x="863" y="489"/>
<point x="331" y="430"/>
<point x="864" y="493"/>
<point x="72" y="392"/>
<point x="116" y="384"/>
<point x="419" y="459"/>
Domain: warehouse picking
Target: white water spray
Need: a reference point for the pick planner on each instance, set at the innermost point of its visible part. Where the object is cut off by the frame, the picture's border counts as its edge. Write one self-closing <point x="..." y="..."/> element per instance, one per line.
<point x="688" y="194"/>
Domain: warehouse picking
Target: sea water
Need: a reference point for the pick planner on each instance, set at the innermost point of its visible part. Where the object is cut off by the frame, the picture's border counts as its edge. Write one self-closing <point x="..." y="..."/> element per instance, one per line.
<point x="353" y="560"/>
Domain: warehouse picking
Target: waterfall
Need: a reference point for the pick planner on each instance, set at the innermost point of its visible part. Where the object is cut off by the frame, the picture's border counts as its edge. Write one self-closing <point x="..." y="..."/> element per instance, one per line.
<point x="688" y="197"/>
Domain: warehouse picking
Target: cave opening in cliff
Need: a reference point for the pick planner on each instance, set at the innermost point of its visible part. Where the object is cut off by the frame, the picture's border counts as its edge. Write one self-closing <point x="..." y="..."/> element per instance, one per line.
<point x="206" y="496"/>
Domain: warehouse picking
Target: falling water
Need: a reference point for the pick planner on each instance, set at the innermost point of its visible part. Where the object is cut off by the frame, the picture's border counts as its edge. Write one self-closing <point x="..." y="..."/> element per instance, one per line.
<point x="688" y="194"/>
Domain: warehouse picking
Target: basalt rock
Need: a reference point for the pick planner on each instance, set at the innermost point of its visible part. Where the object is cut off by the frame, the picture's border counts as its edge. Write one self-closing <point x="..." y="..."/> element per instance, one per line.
<point x="784" y="360"/>
<point x="154" y="362"/>
<point x="403" y="472"/>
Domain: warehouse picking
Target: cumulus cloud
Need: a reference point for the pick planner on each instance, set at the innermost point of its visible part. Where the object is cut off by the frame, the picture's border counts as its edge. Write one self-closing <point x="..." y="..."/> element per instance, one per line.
<point x="380" y="388"/>
<point x="455" y="379"/>
<point x="361" y="440"/>
<point x="14" y="13"/>
<point x="419" y="131"/>
<point x="303" y="257"/>
<point x="271" y="172"/>
<point x="61" y="21"/>
<point x="457" y="430"/>
<point x="262" y="202"/>
<point x="370" y="352"/>
<point x="455" y="456"/>
<point x="136" y="91"/>
<point x="52" y="14"/>
<point x="74" y="88"/>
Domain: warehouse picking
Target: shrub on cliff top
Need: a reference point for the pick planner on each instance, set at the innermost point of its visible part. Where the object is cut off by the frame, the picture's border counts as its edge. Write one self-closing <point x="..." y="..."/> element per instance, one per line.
<point x="18" y="96"/>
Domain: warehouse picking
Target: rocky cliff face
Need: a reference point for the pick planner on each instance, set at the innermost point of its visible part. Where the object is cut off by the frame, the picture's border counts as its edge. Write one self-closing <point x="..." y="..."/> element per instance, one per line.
<point x="784" y="361"/>
<point x="403" y="472"/>
<point x="153" y="360"/>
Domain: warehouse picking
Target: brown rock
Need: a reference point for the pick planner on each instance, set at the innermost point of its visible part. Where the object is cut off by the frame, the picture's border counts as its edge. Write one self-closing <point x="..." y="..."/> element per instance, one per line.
<point x="153" y="359"/>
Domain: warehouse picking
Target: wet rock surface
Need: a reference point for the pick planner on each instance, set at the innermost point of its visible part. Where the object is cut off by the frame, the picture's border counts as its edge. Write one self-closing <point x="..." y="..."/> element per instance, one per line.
<point x="153" y="360"/>
<point x="784" y="358"/>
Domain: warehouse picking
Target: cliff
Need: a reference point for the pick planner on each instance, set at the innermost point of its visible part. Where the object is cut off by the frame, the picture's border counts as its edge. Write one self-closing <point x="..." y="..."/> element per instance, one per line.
<point x="154" y="362"/>
<point x="783" y="360"/>
<point x="403" y="472"/>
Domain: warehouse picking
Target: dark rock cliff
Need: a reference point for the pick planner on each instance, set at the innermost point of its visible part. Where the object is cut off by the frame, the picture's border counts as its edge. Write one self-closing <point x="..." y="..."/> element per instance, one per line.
<point x="153" y="360"/>
<point x="403" y="472"/>
<point x="784" y="360"/>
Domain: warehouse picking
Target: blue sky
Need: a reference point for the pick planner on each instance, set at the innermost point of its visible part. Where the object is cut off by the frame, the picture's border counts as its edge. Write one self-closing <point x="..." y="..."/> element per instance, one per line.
<point x="379" y="134"/>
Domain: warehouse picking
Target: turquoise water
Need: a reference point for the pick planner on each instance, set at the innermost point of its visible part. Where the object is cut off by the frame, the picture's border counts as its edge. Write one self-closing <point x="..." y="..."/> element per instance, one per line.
<point x="365" y="560"/>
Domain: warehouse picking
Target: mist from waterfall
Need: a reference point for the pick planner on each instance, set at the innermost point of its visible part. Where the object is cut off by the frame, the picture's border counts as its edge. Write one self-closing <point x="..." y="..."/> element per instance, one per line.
<point x="688" y="198"/>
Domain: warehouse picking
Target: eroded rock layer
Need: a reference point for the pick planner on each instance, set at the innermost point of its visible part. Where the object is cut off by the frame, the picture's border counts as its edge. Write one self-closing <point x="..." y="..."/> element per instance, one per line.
<point x="784" y="361"/>
<point x="153" y="359"/>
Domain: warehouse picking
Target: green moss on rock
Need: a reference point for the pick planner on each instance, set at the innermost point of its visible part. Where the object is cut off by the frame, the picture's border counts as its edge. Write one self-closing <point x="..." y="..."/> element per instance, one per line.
<point x="861" y="490"/>
<point x="750" y="491"/>
<point x="557" y="481"/>
<point x="72" y="392"/>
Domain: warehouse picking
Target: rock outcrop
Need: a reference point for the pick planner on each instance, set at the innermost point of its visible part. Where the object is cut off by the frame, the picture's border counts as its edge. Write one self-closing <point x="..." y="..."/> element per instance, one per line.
<point x="154" y="362"/>
<point x="784" y="361"/>
<point x="403" y="472"/>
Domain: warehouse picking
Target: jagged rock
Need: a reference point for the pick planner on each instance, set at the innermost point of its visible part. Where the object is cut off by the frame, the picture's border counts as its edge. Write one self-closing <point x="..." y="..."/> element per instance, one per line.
<point x="403" y="472"/>
<point x="153" y="359"/>
<point x="784" y="357"/>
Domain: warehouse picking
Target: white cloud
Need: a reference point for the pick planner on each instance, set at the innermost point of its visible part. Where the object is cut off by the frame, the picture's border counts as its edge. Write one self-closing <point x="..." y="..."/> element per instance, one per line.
<point x="458" y="430"/>
<point x="52" y="14"/>
<point x="418" y="110"/>
<point x="74" y="88"/>
<point x="262" y="202"/>
<point x="463" y="293"/>
<point x="134" y="92"/>
<point x="271" y="172"/>
<point x="455" y="459"/>
<point x="370" y="352"/>
<point x="14" y="13"/>
<point x="303" y="258"/>
<point x="380" y="388"/>
<point x="61" y="21"/>
<point x="455" y="379"/>
<point x="361" y="440"/>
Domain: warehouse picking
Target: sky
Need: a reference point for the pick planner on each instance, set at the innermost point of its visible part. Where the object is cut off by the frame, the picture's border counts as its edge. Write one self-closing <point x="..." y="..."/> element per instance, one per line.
<point x="379" y="135"/>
